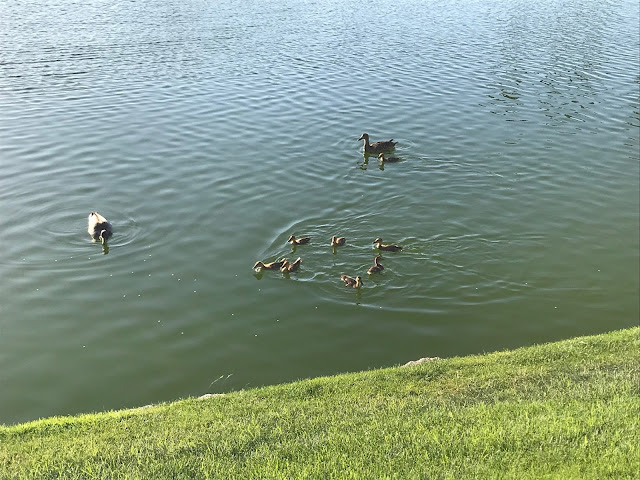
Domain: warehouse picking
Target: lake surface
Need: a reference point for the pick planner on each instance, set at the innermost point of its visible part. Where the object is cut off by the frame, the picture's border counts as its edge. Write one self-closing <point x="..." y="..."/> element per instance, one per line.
<point x="209" y="131"/>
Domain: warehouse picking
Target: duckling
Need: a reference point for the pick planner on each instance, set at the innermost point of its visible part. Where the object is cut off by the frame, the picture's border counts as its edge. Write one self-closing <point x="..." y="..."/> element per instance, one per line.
<point x="269" y="266"/>
<point x="352" y="282"/>
<point x="291" y="267"/>
<point x="337" y="241"/>
<point x="376" y="268"/>
<point x="376" y="147"/>
<point x="99" y="227"/>
<point x="389" y="248"/>
<point x="384" y="159"/>
<point x="298" y="241"/>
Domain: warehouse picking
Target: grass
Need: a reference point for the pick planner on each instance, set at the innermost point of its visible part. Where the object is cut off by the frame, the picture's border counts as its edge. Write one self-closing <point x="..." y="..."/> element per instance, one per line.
<point x="561" y="410"/>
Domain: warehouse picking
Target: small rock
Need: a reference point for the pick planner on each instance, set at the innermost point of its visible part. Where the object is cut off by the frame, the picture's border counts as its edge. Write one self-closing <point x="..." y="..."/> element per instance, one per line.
<point x="422" y="360"/>
<point x="210" y="395"/>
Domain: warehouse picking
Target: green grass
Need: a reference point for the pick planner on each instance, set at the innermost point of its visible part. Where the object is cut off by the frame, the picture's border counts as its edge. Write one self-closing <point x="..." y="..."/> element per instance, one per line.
<point x="562" y="410"/>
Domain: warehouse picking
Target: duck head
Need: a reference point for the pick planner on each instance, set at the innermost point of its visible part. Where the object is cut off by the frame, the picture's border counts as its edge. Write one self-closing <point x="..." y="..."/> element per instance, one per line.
<point x="104" y="235"/>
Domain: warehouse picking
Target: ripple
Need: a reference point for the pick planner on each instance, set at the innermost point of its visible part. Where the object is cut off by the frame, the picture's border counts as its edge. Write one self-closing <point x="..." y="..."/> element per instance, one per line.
<point x="63" y="236"/>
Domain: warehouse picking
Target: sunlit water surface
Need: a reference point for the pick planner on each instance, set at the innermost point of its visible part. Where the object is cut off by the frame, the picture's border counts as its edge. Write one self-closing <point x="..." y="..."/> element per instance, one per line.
<point x="209" y="131"/>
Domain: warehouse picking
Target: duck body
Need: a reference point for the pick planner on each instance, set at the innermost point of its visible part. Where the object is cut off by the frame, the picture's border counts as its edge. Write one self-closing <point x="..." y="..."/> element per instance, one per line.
<point x="291" y="267"/>
<point x="269" y="266"/>
<point x="384" y="159"/>
<point x="389" y="248"/>
<point x="352" y="282"/>
<point x="376" y="147"/>
<point x="99" y="227"/>
<point x="338" y="241"/>
<point x="376" y="268"/>
<point x="298" y="241"/>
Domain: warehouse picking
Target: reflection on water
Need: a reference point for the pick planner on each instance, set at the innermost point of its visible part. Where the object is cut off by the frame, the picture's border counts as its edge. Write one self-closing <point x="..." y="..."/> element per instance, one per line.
<point x="208" y="138"/>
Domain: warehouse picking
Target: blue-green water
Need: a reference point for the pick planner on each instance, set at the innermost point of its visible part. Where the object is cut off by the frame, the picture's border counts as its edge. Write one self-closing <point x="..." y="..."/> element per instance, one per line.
<point x="209" y="131"/>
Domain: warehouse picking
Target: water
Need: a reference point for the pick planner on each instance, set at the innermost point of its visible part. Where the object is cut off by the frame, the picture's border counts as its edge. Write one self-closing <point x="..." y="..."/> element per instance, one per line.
<point x="208" y="132"/>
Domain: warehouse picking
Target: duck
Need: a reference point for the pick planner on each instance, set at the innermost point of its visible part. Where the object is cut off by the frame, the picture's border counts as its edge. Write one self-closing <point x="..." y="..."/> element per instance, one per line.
<point x="269" y="266"/>
<point x="377" y="267"/>
<point x="376" y="147"/>
<point x="298" y="241"/>
<point x="389" y="248"/>
<point x="384" y="159"/>
<point x="291" y="267"/>
<point x="99" y="227"/>
<point x="337" y="241"/>
<point x="352" y="282"/>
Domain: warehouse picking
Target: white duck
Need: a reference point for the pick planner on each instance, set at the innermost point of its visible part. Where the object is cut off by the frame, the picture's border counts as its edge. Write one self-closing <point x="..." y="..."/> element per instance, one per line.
<point x="99" y="227"/>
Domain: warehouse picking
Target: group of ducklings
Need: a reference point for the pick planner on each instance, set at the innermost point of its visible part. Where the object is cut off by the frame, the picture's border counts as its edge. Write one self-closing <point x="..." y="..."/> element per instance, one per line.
<point x="285" y="267"/>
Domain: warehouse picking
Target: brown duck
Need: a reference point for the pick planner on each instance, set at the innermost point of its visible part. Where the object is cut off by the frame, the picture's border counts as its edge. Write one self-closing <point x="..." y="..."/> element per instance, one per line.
<point x="352" y="282"/>
<point x="298" y="241"/>
<point x="384" y="159"/>
<point x="376" y="147"/>
<point x="389" y="248"/>
<point x="337" y="241"/>
<point x="269" y="266"/>
<point x="290" y="267"/>
<point x="377" y="267"/>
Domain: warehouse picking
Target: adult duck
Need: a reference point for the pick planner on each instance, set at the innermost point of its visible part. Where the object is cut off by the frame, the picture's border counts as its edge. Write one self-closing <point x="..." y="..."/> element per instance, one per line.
<point x="338" y="241"/>
<point x="352" y="282"/>
<point x="291" y="267"/>
<point x="298" y="241"/>
<point x="376" y="147"/>
<point x="389" y="247"/>
<point x="99" y="227"/>
<point x="377" y="267"/>
<point x="269" y="266"/>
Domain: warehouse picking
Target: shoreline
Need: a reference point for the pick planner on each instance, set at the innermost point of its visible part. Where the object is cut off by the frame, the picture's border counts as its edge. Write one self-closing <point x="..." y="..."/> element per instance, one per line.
<point x="566" y="409"/>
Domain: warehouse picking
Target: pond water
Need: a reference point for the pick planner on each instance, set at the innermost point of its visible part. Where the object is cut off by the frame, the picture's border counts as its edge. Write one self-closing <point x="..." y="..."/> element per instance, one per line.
<point x="210" y="131"/>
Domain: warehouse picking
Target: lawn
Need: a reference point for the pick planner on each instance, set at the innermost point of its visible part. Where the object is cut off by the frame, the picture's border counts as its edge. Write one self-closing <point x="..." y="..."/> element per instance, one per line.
<point x="561" y="410"/>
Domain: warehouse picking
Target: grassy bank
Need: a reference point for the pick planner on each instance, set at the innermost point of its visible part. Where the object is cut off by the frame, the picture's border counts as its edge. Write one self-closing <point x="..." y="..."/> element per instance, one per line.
<point x="562" y="410"/>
